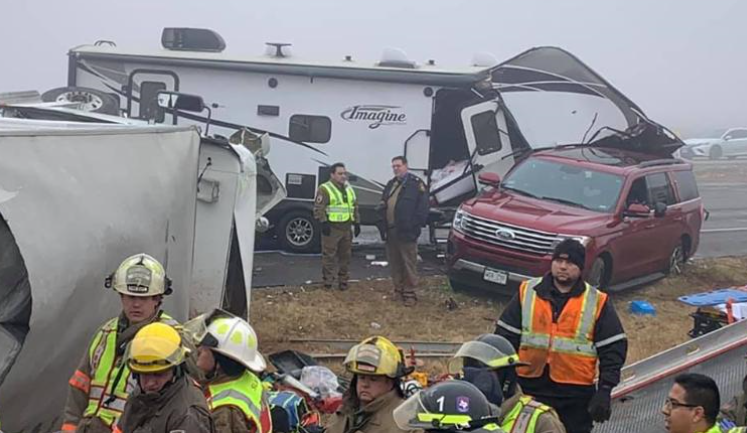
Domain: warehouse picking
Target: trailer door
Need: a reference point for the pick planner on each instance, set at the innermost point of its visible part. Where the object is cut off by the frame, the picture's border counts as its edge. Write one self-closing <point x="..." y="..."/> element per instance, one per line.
<point x="487" y="138"/>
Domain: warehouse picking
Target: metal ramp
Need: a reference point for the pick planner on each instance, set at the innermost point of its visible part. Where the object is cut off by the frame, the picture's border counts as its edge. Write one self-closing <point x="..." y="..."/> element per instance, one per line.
<point x="638" y="400"/>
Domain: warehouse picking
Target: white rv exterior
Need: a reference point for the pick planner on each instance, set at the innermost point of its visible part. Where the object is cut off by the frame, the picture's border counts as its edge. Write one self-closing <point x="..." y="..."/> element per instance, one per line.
<point x="319" y="114"/>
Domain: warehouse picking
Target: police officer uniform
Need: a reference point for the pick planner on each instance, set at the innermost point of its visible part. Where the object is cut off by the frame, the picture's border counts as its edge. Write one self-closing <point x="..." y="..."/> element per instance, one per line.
<point x="404" y="210"/>
<point x="336" y="207"/>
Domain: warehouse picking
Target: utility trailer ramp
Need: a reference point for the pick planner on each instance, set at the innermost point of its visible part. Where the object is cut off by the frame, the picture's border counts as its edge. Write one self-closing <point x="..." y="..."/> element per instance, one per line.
<point x="639" y="398"/>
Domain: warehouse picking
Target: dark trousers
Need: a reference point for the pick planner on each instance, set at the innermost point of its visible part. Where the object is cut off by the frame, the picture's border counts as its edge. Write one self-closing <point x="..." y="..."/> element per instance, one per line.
<point x="573" y="412"/>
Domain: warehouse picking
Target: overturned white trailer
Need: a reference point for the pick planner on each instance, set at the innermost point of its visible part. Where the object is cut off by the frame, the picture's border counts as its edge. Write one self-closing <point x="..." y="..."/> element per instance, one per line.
<point x="75" y="199"/>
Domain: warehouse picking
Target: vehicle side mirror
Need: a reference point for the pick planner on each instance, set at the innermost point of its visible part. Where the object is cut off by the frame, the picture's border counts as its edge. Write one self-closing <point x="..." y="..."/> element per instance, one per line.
<point x="489" y="179"/>
<point x="637" y="210"/>
<point x="660" y="209"/>
<point x="727" y="138"/>
<point x="181" y="101"/>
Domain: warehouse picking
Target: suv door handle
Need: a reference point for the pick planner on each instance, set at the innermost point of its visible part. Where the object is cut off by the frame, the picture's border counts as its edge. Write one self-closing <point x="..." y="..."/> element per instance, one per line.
<point x="649" y="226"/>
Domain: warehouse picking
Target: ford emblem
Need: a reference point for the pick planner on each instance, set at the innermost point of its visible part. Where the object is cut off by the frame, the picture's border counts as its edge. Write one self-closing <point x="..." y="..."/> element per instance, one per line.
<point x="505" y="234"/>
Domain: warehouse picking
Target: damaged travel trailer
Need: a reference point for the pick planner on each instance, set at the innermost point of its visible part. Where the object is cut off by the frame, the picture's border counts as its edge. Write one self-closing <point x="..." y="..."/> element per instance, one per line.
<point x="451" y="123"/>
<point x="76" y="197"/>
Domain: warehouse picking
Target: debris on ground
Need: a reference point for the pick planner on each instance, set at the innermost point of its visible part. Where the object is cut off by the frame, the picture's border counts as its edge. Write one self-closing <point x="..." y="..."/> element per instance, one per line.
<point x="442" y="315"/>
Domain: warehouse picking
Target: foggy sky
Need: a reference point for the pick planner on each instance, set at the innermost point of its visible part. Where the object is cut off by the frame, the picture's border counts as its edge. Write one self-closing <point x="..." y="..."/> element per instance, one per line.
<point x="683" y="61"/>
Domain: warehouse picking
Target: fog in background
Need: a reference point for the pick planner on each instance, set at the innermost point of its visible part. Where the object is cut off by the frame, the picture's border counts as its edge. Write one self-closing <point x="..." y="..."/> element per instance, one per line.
<point x="683" y="61"/>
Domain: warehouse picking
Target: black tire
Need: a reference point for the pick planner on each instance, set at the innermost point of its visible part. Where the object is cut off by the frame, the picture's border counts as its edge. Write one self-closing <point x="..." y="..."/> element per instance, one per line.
<point x="677" y="259"/>
<point x="598" y="274"/>
<point x="298" y="232"/>
<point x="95" y="101"/>
<point x="715" y="152"/>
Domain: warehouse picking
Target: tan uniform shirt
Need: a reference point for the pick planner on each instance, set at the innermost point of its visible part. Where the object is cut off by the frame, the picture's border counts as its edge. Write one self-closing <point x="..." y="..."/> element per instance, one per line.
<point x="392" y="203"/>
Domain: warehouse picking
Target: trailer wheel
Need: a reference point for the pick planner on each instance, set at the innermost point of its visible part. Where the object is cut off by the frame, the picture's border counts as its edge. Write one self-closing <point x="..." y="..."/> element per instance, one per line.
<point x="298" y="232"/>
<point x="92" y="100"/>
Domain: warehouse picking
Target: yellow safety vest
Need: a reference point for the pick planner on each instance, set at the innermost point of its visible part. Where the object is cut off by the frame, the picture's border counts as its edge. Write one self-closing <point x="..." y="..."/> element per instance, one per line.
<point x="339" y="210"/>
<point x="244" y="393"/>
<point x="106" y="367"/>
<point x="524" y="415"/>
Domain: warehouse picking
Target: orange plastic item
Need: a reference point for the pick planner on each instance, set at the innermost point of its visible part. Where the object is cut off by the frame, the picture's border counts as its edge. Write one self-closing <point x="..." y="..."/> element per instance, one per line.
<point x="729" y="311"/>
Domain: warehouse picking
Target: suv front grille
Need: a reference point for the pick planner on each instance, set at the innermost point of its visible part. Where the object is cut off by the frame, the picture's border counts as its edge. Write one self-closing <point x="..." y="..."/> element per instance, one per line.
<point x="504" y="235"/>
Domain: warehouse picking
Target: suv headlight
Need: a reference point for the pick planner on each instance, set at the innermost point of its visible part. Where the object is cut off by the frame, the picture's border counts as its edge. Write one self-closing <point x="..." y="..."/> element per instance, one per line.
<point x="583" y="240"/>
<point x="458" y="222"/>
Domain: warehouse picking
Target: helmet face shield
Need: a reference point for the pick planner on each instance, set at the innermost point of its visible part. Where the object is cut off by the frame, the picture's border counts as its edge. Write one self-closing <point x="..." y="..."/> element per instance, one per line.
<point x="450" y="405"/>
<point x="488" y="355"/>
<point x="198" y="328"/>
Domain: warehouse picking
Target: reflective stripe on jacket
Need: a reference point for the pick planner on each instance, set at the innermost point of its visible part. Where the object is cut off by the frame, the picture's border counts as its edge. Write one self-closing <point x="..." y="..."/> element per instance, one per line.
<point x="108" y="369"/>
<point x="567" y="344"/>
<point x="339" y="210"/>
<point x="524" y="416"/>
<point x="245" y="393"/>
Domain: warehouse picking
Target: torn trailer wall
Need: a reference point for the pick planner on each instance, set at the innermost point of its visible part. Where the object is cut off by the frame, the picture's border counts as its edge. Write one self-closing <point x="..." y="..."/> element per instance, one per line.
<point x="557" y="99"/>
<point x="76" y="203"/>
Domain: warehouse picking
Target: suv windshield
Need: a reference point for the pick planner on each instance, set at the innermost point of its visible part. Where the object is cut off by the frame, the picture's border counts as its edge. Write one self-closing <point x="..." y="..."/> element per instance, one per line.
<point x="566" y="184"/>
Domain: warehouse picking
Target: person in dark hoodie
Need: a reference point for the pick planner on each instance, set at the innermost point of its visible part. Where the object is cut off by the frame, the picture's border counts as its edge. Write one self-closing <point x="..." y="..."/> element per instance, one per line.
<point x="166" y="399"/>
<point x="566" y="331"/>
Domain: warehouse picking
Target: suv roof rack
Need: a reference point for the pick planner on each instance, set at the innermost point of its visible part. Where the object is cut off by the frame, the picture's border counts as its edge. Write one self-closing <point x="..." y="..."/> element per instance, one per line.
<point x="655" y="162"/>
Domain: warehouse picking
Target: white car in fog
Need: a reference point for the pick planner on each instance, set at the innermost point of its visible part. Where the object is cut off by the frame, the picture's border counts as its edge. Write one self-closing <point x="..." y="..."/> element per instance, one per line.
<point x="729" y="144"/>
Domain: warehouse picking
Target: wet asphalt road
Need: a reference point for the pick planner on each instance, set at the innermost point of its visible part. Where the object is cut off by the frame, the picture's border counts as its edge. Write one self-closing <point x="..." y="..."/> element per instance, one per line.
<point x="723" y="234"/>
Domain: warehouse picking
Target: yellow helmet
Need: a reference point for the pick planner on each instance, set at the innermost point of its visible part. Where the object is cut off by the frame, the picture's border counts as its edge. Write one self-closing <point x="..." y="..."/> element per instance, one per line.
<point x="376" y="356"/>
<point x="140" y="275"/>
<point x="155" y="348"/>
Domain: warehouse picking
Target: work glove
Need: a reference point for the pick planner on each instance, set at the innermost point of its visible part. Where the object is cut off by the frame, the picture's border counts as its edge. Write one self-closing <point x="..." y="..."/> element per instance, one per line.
<point x="600" y="406"/>
<point x="326" y="228"/>
<point x="356" y="230"/>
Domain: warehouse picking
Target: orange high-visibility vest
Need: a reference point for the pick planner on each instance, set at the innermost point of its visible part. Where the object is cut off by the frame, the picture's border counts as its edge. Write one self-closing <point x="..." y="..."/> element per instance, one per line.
<point x="567" y="346"/>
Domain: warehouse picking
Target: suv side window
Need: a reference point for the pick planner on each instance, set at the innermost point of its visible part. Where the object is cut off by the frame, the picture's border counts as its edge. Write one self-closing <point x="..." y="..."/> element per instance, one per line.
<point x="659" y="189"/>
<point x="638" y="193"/>
<point x="686" y="185"/>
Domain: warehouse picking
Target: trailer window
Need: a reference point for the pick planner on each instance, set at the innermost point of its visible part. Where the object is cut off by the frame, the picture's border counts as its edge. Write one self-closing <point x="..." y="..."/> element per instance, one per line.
<point x="486" y="133"/>
<point x="311" y="129"/>
<point x="149" y="109"/>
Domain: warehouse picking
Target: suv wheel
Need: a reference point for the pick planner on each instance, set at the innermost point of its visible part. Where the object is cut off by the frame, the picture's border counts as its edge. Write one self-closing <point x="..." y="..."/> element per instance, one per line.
<point x="677" y="260"/>
<point x="598" y="274"/>
<point x="715" y="152"/>
<point x="298" y="232"/>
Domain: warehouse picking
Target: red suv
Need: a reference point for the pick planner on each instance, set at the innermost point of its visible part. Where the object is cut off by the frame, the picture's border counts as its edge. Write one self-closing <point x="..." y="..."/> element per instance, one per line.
<point x="638" y="215"/>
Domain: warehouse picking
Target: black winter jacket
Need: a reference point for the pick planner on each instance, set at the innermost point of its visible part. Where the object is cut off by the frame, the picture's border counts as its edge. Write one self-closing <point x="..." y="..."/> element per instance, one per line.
<point x="611" y="356"/>
<point x="411" y="209"/>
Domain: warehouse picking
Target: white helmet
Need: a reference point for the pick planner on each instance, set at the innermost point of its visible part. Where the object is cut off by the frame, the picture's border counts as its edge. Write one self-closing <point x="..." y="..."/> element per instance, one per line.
<point x="237" y="340"/>
<point x="140" y="275"/>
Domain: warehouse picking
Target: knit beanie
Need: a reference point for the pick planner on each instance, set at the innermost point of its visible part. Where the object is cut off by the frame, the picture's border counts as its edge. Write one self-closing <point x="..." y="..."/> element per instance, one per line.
<point x="573" y="250"/>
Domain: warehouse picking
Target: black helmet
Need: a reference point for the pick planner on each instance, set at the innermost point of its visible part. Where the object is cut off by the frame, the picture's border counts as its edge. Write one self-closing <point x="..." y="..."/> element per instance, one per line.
<point x="449" y="405"/>
<point x="489" y="350"/>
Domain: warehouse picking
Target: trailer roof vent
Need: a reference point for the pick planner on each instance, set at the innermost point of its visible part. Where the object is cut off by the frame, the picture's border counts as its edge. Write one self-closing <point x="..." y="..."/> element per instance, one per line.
<point x="396" y="58"/>
<point x="277" y="49"/>
<point x="188" y="39"/>
<point x="484" y="59"/>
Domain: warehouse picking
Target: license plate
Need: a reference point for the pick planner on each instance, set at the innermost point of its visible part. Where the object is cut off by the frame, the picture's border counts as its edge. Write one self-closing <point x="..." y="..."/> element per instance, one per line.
<point x="495" y="276"/>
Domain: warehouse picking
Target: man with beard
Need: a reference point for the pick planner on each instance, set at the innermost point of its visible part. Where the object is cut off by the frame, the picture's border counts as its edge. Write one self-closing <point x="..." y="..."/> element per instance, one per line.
<point x="564" y="330"/>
